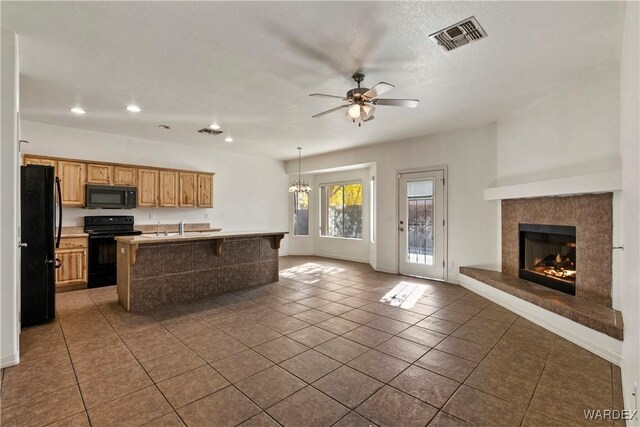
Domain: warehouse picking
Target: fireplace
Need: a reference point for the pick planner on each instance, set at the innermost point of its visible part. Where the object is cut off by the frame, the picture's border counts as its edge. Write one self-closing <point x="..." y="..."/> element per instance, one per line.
<point x="548" y="256"/>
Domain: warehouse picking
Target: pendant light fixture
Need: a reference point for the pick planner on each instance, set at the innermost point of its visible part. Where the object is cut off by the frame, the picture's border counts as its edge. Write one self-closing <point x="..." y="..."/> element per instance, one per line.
<point x="299" y="185"/>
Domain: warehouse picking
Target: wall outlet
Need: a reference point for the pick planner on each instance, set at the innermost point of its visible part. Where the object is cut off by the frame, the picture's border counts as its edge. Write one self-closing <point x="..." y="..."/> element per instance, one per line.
<point x="206" y="215"/>
<point x="452" y="264"/>
<point x="152" y="216"/>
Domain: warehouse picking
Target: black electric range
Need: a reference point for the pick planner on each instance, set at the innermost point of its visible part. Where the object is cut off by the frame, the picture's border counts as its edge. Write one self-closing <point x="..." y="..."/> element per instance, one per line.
<point x="102" y="231"/>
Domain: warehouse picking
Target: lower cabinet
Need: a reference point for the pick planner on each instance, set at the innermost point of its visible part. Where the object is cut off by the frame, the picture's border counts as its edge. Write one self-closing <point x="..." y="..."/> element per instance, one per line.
<point x="72" y="257"/>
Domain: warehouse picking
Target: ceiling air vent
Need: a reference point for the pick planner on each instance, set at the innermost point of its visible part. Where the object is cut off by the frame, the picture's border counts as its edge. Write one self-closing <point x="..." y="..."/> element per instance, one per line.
<point x="210" y="131"/>
<point x="460" y="34"/>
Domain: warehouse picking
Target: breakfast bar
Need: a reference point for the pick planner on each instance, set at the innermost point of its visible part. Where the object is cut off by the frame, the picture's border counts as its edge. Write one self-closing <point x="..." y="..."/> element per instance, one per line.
<point x="168" y="268"/>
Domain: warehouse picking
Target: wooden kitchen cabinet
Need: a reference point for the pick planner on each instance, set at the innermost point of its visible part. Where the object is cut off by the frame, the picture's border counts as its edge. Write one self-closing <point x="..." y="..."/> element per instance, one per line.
<point x="99" y="174"/>
<point x="155" y="186"/>
<point x="168" y="189"/>
<point x="72" y="256"/>
<point x="188" y="195"/>
<point x="147" y="187"/>
<point x="28" y="160"/>
<point x="123" y="175"/>
<point x="205" y="191"/>
<point x="72" y="180"/>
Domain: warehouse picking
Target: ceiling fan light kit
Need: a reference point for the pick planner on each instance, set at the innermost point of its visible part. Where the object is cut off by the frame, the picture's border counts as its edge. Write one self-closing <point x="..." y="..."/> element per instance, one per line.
<point x="361" y="101"/>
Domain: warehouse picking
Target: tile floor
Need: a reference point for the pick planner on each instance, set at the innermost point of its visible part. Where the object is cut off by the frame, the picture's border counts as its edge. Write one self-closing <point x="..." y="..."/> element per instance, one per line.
<point x="320" y="347"/>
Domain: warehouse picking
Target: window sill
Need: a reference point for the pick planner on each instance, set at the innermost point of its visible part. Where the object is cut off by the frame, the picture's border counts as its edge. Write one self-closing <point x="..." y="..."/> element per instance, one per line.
<point x="342" y="238"/>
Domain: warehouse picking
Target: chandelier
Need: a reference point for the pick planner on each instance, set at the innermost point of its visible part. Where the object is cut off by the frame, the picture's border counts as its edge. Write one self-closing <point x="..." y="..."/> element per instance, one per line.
<point x="299" y="185"/>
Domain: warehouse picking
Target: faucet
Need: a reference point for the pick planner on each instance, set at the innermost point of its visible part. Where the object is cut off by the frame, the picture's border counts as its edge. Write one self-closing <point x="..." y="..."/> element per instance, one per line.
<point x="181" y="225"/>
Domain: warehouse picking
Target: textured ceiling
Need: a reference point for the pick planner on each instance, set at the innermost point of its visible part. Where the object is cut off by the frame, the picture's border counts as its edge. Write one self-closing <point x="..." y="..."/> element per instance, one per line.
<point x="250" y="66"/>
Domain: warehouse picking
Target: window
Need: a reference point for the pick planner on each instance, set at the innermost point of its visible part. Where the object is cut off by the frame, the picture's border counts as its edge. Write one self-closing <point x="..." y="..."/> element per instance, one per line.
<point x="372" y="209"/>
<point x="300" y="213"/>
<point x="341" y="210"/>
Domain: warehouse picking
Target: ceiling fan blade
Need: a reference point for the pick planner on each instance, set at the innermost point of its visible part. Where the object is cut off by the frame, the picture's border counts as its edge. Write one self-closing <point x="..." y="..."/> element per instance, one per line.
<point x="324" y="113"/>
<point x="368" y="119"/>
<point x="411" y="103"/>
<point x="324" y="95"/>
<point x="378" y="90"/>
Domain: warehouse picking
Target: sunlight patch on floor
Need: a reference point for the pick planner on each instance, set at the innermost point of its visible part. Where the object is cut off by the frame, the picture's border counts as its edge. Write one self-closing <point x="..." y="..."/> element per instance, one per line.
<point x="404" y="295"/>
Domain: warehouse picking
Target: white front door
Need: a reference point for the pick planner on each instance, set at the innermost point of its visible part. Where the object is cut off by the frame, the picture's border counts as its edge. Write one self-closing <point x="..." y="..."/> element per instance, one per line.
<point x="421" y="225"/>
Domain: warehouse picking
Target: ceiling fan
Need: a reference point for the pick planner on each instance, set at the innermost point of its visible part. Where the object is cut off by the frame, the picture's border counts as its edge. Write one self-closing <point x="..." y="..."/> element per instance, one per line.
<point x="361" y="101"/>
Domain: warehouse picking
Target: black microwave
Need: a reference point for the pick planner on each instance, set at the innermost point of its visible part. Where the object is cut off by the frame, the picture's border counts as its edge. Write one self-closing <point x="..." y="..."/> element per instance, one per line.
<point x="110" y="197"/>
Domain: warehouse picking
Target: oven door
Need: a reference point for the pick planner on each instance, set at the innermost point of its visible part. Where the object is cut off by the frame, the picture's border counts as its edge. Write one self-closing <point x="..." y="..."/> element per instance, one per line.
<point x="102" y="260"/>
<point x="109" y="197"/>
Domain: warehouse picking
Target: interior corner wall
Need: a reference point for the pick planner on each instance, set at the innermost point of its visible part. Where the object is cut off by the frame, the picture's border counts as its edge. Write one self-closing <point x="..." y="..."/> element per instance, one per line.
<point x="570" y="132"/>
<point x="630" y="142"/>
<point x="470" y="156"/>
<point x="250" y="193"/>
<point x="9" y="176"/>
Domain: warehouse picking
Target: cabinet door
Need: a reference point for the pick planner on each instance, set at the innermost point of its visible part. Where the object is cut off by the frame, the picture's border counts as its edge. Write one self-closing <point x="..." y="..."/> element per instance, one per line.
<point x="99" y="174"/>
<point x="28" y="160"/>
<point x="168" y="189"/>
<point x="123" y="175"/>
<point x="188" y="189"/>
<point x="205" y="191"/>
<point x="72" y="179"/>
<point x="73" y="267"/>
<point x="147" y="187"/>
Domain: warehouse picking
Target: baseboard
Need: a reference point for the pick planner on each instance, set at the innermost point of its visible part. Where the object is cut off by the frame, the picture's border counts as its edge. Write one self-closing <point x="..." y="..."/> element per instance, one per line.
<point x="386" y="270"/>
<point x="10" y="360"/>
<point x="596" y="342"/>
<point x="344" y="258"/>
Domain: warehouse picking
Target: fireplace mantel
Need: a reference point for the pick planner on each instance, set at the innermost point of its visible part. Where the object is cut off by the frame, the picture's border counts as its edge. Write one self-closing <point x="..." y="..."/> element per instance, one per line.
<point x="602" y="182"/>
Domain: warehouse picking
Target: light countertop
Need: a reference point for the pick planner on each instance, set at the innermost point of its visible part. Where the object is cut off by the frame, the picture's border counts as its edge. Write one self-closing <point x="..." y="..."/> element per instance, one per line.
<point x="190" y="236"/>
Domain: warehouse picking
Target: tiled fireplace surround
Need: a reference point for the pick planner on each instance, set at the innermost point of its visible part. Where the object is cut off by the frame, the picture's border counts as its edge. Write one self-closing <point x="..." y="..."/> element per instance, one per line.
<point x="592" y="216"/>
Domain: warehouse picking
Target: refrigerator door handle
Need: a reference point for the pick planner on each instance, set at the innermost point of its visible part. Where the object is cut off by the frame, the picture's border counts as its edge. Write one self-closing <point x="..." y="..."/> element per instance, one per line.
<point x="59" y="191"/>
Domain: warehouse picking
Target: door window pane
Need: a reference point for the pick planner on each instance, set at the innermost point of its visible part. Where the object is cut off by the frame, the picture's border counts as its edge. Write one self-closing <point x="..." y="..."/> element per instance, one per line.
<point x="420" y="221"/>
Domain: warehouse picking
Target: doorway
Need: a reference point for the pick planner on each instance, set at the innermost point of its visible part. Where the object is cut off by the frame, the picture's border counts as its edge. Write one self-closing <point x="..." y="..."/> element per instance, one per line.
<point x="422" y="224"/>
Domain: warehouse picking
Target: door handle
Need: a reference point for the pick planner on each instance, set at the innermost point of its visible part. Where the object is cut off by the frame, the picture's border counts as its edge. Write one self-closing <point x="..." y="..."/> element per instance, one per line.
<point x="22" y="245"/>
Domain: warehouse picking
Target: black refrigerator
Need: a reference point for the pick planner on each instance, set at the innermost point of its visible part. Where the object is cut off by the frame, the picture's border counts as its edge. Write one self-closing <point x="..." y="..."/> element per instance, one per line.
<point x="38" y="188"/>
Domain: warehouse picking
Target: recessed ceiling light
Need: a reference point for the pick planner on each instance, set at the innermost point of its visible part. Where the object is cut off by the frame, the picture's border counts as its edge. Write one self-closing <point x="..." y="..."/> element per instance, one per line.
<point x="77" y="110"/>
<point x="228" y="139"/>
<point x="133" y="108"/>
<point x="214" y="126"/>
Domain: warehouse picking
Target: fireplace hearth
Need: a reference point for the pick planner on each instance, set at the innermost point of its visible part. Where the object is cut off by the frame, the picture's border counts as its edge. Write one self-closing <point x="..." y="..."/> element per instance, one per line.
<point x="548" y="256"/>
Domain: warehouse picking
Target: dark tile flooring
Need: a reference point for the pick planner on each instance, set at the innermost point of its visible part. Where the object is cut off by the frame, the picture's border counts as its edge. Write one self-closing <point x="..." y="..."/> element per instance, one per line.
<point x="323" y="346"/>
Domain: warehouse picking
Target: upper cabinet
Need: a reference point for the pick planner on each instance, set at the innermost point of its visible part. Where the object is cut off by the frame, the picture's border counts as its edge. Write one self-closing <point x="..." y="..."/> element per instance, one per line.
<point x="155" y="186"/>
<point x="205" y="191"/>
<point x="99" y="174"/>
<point x="124" y="175"/>
<point x="168" y="189"/>
<point x="147" y="188"/>
<point x="188" y="196"/>
<point x="28" y="160"/>
<point x="72" y="180"/>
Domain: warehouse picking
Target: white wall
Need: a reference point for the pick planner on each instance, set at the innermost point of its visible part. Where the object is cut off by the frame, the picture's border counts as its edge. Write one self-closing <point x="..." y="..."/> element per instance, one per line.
<point x="470" y="156"/>
<point x="10" y="257"/>
<point x="570" y="132"/>
<point x="630" y="140"/>
<point x="573" y="131"/>
<point x="250" y="193"/>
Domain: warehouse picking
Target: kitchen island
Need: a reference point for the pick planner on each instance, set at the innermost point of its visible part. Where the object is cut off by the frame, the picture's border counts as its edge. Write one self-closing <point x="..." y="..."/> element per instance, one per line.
<point x="156" y="270"/>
